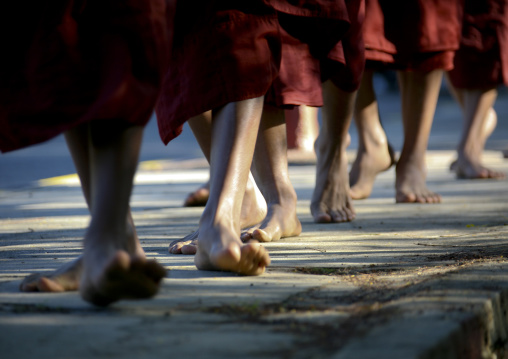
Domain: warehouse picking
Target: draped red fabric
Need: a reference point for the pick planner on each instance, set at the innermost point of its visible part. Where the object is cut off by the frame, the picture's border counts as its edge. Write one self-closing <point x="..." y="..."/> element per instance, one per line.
<point x="223" y="51"/>
<point x="229" y="51"/>
<point x="413" y="34"/>
<point x="74" y="61"/>
<point x="482" y="59"/>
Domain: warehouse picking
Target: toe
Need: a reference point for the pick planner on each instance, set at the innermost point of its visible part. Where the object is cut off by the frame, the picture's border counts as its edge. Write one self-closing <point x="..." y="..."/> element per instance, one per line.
<point x="246" y="236"/>
<point x="322" y="217"/>
<point x="405" y="198"/>
<point x="350" y="214"/>
<point x="189" y="249"/>
<point x="261" y="236"/>
<point x="47" y="285"/>
<point x="29" y="284"/>
<point x="154" y="270"/>
<point x="337" y="216"/>
<point x="175" y="249"/>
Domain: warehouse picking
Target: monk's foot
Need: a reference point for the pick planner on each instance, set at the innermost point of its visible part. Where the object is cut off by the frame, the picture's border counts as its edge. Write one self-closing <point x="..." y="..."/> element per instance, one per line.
<point x="185" y="245"/>
<point x="331" y="200"/>
<point x="367" y="165"/>
<point x="220" y="249"/>
<point x="468" y="169"/>
<point x="468" y="164"/>
<point x="199" y="197"/>
<point x="111" y="273"/>
<point x="121" y="276"/>
<point x="254" y="209"/>
<point x="280" y="222"/>
<point x="66" y="278"/>
<point x="505" y="153"/>
<point x="254" y="206"/>
<point x="410" y="185"/>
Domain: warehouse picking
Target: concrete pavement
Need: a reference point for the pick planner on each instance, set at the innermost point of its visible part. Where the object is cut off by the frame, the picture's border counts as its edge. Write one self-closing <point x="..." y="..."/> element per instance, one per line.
<point x="401" y="281"/>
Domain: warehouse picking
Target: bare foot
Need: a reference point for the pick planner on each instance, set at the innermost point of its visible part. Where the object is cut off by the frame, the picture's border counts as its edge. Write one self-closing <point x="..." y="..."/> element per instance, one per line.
<point x="109" y="277"/>
<point x="367" y="166"/>
<point x="280" y="222"/>
<point x="220" y="249"/>
<point x="185" y="245"/>
<point x="331" y="200"/>
<point x="465" y="168"/>
<point x="199" y="197"/>
<point x="253" y="211"/>
<point x="468" y="165"/>
<point x="410" y="184"/>
<point x="65" y="278"/>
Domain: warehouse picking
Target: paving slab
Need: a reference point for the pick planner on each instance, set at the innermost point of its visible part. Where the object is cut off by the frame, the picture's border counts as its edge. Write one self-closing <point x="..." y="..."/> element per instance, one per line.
<point x="400" y="281"/>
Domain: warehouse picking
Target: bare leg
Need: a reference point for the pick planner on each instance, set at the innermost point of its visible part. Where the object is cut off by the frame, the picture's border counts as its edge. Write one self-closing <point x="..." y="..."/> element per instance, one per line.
<point x="480" y="120"/>
<point x="253" y="204"/>
<point x="234" y="131"/>
<point x="201" y="127"/>
<point x="254" y="209"/>
<point x="419" y="93"/>
<point x="331" y="200"/>
<point x="374" y="154"/>
<point x="271" y="172"/>
<point x="302" y="130"/>
<point x="489" y="125"/>
<point x="113" y="268"/>
<point x="67" y="277"/>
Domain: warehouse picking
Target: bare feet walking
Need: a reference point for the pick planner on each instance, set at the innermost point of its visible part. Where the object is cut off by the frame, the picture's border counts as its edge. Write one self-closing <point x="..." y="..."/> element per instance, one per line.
<point x="331" y="199"/>
<point x="374" y="154"/>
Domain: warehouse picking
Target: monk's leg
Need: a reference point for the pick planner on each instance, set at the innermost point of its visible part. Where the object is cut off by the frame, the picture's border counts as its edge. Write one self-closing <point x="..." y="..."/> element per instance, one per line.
<point x="113" y="267"/>
<point x="253" y="211"/>
<point x="419" y="94"/>
<point x="331" y="200"/>
<point x="253" y="204"/>
<point x="374" y="154"/>
<point x="302" y="129"/>
<point x="201" y="127"/>
<point x="271" y="173"/>
<point x="67" y="276"/>
<point x="480" y="120"/>
<point x="234" y="131"/>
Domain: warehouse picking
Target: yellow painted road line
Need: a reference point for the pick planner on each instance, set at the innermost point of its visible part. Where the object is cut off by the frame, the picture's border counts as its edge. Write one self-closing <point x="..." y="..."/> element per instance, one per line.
<point x="149" y="173"/>
<point x="66" y="180"/>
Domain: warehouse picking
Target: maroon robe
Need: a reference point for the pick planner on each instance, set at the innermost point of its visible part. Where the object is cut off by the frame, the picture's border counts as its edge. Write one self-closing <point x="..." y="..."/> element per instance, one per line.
<point x="303" y="69"/>
<point x="223" y="51"/>
<point x="412" y="34"/>
<point x="230" y="51"/>
<point x="73" y="61"/>
<point x="482" y="60"/>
